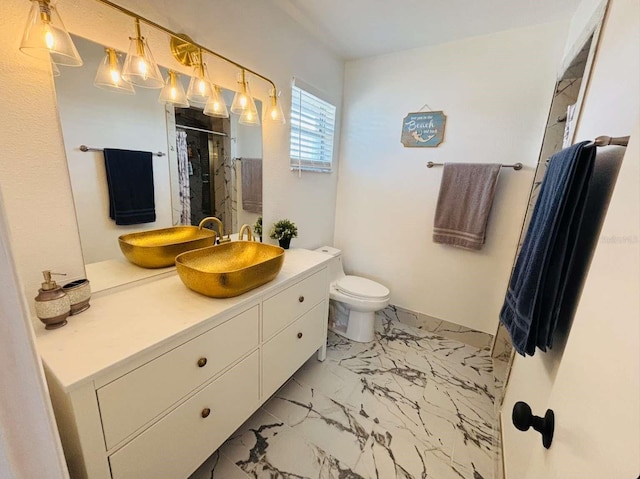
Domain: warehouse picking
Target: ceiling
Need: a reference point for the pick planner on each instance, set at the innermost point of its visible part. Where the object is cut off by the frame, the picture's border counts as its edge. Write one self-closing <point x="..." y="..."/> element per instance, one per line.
<point x="362" y="28"/>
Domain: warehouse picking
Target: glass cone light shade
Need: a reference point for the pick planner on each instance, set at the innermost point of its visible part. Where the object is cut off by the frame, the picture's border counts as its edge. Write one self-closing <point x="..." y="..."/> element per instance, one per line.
<point x="216" y="106"/>
<point x="139" y="67"/>
<point x="173" y="91"/>
<point x="55" y="70"/>
<point x="109" y="75"/>
<point x="250" y="115"/>
<point x="46" y="37"/>
<point x="242" y="99"/>
<point x="273" y="113"/>
<point x="200" y="87"/>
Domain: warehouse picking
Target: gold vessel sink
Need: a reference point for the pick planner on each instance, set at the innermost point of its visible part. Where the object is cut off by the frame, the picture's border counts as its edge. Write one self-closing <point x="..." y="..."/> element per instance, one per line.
<point x="229" y="269"/>
<point x="159" y="248"/>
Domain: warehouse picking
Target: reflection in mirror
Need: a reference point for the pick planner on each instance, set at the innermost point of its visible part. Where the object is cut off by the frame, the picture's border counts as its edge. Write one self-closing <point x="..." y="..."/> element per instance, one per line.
<point x="200" y="174"/>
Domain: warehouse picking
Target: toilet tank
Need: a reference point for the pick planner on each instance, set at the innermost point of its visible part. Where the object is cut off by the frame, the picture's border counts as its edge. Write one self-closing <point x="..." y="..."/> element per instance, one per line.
<point x="335" y="265"/>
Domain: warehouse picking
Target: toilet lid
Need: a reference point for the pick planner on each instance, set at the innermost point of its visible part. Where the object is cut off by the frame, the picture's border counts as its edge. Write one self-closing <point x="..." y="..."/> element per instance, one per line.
<point x="361" y="287"/>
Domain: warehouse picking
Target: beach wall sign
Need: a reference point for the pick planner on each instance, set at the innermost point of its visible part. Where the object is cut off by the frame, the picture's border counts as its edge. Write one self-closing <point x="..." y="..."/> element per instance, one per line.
<point x="423" y="129"/>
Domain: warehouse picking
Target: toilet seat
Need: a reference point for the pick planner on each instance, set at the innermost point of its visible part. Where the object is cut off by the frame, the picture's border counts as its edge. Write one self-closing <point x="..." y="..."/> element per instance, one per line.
<point x="362" y="288"/>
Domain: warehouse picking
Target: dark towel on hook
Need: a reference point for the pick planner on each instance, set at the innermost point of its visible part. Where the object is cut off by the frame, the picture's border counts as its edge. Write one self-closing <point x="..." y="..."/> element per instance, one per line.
<point x="535" y="293"/>
<point x="130" y="184"/>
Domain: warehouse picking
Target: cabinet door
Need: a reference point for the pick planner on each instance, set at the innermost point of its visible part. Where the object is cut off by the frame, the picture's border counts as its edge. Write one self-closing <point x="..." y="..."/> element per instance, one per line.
<point x="130" y="402"/>
<point x="283" y="308"/>
<point x="285" y="353"/>
<point x="177" y="444"/>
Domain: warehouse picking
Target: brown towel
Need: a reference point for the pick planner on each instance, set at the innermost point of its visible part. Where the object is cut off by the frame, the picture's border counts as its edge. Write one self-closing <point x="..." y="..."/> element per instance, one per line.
<point x="252" y="185"/>
<point x="466" y="195"/>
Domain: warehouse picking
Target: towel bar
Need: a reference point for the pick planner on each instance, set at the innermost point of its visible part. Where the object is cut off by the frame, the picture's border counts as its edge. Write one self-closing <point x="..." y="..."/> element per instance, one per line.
<point x="611" y="140"/>
<point x="517" y="166"/>
<point x="88" y="148"/>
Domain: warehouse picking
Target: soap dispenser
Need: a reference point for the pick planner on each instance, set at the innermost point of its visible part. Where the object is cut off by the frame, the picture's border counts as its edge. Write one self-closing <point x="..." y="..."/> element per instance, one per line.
<point x="52" y="303"/>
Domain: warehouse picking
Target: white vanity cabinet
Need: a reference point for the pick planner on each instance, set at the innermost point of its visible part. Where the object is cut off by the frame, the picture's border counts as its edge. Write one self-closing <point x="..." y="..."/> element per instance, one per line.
<point x="151" y="380"/>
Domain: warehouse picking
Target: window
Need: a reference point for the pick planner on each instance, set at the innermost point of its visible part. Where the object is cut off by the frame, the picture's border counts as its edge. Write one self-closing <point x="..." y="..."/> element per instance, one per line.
<point x="313" y="123"/>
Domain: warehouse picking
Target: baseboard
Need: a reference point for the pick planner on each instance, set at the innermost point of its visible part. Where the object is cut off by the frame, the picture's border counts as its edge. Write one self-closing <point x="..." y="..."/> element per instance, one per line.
<point x="438" y="326"/>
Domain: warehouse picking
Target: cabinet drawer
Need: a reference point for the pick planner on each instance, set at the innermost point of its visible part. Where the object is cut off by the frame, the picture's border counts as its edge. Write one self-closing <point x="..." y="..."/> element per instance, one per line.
<point x="131" y="401"/>
<point x="285" y="353"/>
<point x="284" y="307"/>
<point x="176" y="445"/>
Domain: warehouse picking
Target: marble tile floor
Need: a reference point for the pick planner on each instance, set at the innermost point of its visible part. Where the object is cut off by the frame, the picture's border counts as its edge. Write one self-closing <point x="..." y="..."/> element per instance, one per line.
<point x="409" y="405"/>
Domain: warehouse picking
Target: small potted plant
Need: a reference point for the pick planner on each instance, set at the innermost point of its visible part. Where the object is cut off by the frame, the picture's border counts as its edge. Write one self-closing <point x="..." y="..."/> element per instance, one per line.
<point x="257" y="228"/>
<point x="283" y="231"/>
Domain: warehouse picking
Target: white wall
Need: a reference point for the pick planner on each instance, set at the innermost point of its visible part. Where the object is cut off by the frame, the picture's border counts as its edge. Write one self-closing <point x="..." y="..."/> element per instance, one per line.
<point x="495" y="90"/>
<point x="29" y="444"/>
<point x="33" y="169"/>
<point x="33" y="172"/>
<point x="106" y="119"/>
<point x="602" y="348"/>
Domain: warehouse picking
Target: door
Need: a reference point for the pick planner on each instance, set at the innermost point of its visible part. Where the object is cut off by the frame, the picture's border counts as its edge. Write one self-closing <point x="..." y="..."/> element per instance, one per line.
<point x="596" y="394"/>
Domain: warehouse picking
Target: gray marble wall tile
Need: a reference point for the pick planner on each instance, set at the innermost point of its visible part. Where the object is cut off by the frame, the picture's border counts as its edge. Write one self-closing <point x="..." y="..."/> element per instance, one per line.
<point x="443" y="328"/>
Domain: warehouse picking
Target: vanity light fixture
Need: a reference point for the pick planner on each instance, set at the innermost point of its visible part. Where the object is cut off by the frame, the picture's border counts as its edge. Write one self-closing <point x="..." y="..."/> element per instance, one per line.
<point x="173" y="91"/>
<point x="200" y="87"/>
<point x="45" y="36"/>
<point x="216" y="106"/>
<point x="273" y="113"/>
<point x="139" y="67"/>
<point x="109" y="75"/>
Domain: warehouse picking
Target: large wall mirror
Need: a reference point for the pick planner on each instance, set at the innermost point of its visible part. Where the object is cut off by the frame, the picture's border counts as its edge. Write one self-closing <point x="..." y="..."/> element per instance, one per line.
<point x="209" y="167"/>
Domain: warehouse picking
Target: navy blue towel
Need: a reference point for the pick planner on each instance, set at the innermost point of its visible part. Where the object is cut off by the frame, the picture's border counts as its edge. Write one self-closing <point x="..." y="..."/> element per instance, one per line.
<point x="130" y="184"/>
<point x="539" y="279"/>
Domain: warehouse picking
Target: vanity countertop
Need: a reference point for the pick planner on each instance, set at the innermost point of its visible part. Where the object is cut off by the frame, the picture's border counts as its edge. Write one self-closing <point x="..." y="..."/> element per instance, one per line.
<point x="145" y="317"/>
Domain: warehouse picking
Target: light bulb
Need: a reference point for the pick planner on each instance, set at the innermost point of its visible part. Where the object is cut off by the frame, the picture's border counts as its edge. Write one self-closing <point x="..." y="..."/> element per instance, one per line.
<point x="174" y="92"/>
<point x="142" y="68"/>
<point x="48" y="37"/>
<point x="115" y="76"/>
<point x="202" y="87"/>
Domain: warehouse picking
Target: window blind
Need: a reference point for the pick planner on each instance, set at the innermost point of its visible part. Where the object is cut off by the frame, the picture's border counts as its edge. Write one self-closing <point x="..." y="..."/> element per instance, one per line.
<point x="312" y="129"/>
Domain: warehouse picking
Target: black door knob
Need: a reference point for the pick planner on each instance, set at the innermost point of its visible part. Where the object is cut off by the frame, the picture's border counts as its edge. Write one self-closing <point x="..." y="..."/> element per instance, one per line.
<point x="523" y="419"/>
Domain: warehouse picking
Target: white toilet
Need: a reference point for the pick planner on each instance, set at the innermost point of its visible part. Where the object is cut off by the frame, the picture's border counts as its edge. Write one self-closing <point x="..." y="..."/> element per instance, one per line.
<point x="354" y="301"/>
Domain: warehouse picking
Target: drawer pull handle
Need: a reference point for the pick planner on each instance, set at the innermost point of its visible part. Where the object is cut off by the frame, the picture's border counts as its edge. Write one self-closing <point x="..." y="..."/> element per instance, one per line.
<point x="205" y="412"/>
<point x="299" y="335"/>
<point x="202" y="362"/>
<point x="301" y="299"/>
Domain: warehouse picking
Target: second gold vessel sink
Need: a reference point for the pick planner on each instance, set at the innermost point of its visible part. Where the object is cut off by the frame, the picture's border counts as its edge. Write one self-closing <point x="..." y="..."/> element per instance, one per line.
<point x="159" y="248"/>
<point x="229" y="269"/>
